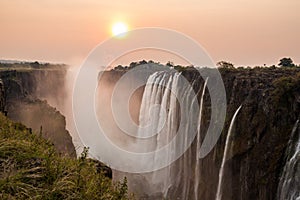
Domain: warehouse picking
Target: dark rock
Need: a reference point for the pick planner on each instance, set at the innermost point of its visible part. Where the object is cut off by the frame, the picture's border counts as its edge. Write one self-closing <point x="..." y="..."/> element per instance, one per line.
<point x="24" y="91"/>
<point x="270" y="108"/>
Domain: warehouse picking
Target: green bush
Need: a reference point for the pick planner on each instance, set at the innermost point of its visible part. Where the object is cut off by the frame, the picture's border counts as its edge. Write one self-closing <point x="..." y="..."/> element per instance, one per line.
<point x="285" y="88"/>
<point x="30" y="168"/>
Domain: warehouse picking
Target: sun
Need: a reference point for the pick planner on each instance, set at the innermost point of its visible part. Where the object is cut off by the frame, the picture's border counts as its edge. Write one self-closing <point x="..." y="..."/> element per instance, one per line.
<point x="119" y="29"/>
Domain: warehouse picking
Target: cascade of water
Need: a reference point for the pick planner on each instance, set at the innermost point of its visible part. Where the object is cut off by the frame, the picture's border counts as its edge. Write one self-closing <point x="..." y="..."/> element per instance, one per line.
<point x="164" y="89"/>
<point x="191" y="118"/>
<point x="164" y="117"/>
<point x="226" y="148"/>
<point x="184" y="172"/>
<point x="289" y="185"/>
<point x="197" y="165"/>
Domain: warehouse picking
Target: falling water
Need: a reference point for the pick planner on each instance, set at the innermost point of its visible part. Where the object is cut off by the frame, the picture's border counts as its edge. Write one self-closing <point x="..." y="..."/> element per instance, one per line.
<point x="197" y="165"/>
<point x="289" y="185"/>
<point x="221" y="173"/>
<point x="161" y="89"/>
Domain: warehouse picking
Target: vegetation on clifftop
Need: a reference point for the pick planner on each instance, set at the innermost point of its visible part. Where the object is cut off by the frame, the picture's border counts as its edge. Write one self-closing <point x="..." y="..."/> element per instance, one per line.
<point x="30" y="168"/>
<point x="285" y="89"/>
<point x="286" y="63"/>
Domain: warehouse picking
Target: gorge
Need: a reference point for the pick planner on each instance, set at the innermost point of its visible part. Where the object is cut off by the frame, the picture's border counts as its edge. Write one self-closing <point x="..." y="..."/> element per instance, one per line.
<point x="258" y="160"/>
<point x="260" y="135"/>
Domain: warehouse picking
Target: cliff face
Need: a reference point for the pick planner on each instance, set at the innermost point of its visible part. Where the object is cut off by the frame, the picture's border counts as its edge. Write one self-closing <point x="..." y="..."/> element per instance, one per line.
<point x="2" y="96"/>
<point x="270" y="99"/>
<point x="25" y="91"/>
<point x="270" y="107"/>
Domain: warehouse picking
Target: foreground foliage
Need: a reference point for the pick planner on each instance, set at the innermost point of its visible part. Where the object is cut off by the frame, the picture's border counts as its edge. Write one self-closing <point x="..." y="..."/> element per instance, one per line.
<point x="30" y="168"/>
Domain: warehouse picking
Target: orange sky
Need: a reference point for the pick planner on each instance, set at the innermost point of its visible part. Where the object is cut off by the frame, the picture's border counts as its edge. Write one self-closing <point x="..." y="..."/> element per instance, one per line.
<point x="244" y="32"/>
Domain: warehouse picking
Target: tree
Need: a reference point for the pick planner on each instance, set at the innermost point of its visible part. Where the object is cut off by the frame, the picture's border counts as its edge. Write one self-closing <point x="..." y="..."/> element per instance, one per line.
<point x="119" y="67"/>
<point x="170" y="64"/>
<point x="286" y="62"/>
<point x="224" y="64"/>
<point x="132" y="65"/>
<point x="35" y="64"/>
<point x="143" y="62"/>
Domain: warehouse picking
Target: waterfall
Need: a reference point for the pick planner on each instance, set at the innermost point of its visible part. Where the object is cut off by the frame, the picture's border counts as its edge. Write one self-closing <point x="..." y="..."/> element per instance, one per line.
<point x="226" y="148"/>
<point x="289" y="185"/>
<point x="169" y="107"/>
<point x="197" y="165"/>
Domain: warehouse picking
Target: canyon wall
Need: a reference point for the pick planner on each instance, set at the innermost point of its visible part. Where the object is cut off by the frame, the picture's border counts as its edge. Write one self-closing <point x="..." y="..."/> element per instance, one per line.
<point x="270" y="100"/>
<point x="34" y="97"/>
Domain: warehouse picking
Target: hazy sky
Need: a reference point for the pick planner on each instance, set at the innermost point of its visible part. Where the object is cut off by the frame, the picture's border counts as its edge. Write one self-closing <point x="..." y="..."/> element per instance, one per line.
<point x="244" y="32"/>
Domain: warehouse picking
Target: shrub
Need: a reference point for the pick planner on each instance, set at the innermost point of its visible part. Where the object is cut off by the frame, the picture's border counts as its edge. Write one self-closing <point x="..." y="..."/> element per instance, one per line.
<point x="30" y="168"/>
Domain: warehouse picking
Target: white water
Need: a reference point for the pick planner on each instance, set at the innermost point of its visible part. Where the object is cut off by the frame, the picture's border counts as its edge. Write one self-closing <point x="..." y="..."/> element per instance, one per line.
<point x="197" y="165"/>
<point x="161" y="112"/>
<point x="156" y="101"/>
<point x="289" y="185"/>
<point x="226" y="148"/>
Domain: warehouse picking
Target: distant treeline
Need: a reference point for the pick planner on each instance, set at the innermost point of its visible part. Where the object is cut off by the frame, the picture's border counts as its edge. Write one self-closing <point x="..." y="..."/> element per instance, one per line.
<point x="30" y="65"/>
<point x="284" y="62"/>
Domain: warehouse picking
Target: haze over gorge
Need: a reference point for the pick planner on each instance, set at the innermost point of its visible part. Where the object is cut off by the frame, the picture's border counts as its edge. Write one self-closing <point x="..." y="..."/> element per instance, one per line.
<point x="149" y="100"/>
<point x="257" y="155"/>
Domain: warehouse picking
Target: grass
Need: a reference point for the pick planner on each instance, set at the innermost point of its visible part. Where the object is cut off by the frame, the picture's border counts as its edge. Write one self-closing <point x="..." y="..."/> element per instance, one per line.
<point x="30" y="168"/>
